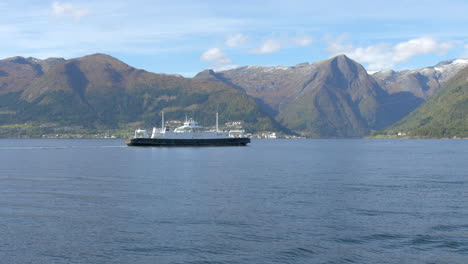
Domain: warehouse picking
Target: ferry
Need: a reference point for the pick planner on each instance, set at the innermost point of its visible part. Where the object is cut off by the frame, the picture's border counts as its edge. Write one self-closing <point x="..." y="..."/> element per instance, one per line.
<point x="190" y="134"/>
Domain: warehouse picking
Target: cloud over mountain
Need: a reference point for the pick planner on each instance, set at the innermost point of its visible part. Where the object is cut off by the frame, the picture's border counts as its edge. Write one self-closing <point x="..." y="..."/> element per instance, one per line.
<point x="219" y="60"/>
<point x="383" y="56"/>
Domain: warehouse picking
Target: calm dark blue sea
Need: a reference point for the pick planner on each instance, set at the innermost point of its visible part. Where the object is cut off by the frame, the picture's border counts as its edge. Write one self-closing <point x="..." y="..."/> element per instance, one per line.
<point x="274" y="201"/>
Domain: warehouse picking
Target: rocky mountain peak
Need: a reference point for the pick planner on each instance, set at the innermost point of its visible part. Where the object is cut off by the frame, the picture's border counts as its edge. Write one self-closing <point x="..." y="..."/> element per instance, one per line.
<point x="100" y="58"/>
<point x="18" y="60"/>
<point x="346" y="65"/>
<point x="206" y="75"/>
<point x="300" y="65"/>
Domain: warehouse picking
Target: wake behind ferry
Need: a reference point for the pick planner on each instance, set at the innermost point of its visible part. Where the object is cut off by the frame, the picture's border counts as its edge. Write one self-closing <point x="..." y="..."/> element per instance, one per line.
<point x="190" y="134"/>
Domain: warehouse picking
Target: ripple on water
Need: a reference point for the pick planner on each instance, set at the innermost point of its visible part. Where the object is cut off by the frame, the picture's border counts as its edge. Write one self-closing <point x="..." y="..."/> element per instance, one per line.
<point x="390" y="240"/>
<point x="155" y="250"/>
<point x="422" y="240"/>
<point x="429" y="242"/>
<point x="295" y="255"/>
<point x="383" y="237"/>
<point x="449" y="228"/>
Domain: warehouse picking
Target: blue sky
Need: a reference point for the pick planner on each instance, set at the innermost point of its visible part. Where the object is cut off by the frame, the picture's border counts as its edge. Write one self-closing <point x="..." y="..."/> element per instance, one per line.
<point x="186" y="37"/>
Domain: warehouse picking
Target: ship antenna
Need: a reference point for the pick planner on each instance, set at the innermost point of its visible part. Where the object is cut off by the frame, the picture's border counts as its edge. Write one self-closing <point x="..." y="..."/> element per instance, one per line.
<point x="162" y="123"/>
<point x="217" y="122"/>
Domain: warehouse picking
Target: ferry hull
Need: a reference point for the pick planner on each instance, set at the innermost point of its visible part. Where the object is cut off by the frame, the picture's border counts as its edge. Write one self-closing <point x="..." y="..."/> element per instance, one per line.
<point x="167" y="142"/>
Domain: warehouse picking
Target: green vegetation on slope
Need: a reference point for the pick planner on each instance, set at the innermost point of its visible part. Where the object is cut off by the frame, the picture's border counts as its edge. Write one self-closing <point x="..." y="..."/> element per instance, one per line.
<point x="117" y="109"/>
<point x="445" y="114"/>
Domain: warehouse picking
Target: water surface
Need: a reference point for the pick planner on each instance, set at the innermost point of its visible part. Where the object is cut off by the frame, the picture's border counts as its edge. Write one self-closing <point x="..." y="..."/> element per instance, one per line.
<point x="274" y="201"/>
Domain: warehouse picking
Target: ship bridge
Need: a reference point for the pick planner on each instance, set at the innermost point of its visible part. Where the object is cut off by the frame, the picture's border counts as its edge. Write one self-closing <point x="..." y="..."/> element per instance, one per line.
<point x="189" y="126"/>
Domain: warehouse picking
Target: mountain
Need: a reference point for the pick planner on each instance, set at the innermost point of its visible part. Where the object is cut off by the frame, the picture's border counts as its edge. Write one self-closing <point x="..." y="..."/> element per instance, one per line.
<point x="18" y="72"/>
<point x="330" y="98"/>
<point x="270" y="84"/>
<point x="423" y="82"/>
<point x="445" y="114"/>
<point x="337" y="97"/>
<point x="99" y="91"/>
<point x="339" y="100"/>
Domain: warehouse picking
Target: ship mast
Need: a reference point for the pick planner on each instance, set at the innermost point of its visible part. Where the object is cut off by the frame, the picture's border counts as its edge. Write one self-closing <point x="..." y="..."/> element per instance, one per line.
<point x="162" y="122"/>
<point x="216" y="121"/>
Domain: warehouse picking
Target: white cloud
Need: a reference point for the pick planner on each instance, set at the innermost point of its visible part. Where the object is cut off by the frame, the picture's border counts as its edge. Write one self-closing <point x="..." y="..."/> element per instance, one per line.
<point x="66" y="9"/>
<point x="405" y="50"/>
<point x="234" y="41"/>
<point x="384" y="55"/>
<point x="219" y="60"/>
<point x="216" y="55"/>
<point x="268" y="46"/>
<point x="303" y="41"/>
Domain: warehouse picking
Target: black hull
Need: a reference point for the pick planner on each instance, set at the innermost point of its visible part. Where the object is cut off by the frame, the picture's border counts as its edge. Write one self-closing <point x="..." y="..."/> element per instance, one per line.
<point x="166" y="142"/>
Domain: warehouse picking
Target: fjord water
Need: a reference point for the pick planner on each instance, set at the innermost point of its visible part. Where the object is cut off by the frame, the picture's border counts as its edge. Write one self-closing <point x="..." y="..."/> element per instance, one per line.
<point x="274" y="201"/>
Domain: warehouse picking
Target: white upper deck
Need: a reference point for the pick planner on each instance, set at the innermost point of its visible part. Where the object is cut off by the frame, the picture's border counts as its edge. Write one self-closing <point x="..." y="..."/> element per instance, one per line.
<point x="190" y="130"/>
<point x="189" y="126"/>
